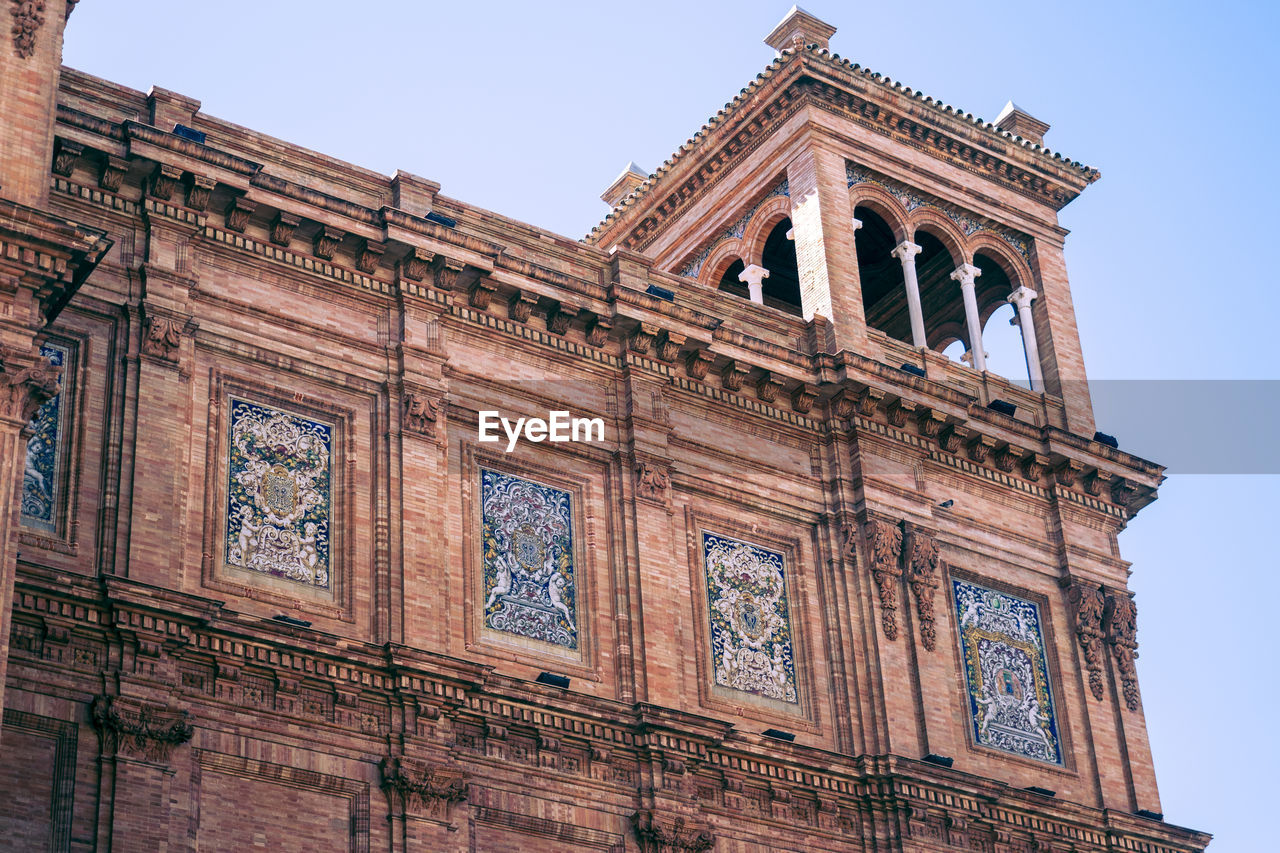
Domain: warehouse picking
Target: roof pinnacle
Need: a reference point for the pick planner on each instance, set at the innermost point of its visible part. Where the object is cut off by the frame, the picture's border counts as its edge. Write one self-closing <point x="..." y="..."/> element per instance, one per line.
<point x="798" y="28"/>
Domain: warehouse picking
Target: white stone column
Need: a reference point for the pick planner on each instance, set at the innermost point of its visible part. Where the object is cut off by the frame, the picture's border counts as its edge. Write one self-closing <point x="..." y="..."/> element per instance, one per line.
<point x="906" y="252"/>
<point x="754" y="277"/>
<point x="966" y="275"/>
<point x="1021" y="300"/>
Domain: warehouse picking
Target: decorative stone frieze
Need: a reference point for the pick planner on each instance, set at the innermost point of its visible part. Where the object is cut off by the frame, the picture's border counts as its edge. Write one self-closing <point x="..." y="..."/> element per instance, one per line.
<point x="422" y="789"/>
<point x="658" y="833"/>
<point x="1087" y="604"/>
<point x="922" y="577"/>
<point x="1120" y="621"/>
<point x="884" y="543"/>
<point x="162" y="337"/>
<point x="148" y="731"/>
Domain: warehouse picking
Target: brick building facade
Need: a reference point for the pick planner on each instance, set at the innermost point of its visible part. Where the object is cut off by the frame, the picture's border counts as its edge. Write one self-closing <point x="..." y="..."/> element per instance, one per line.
<point x="816" y="587"/>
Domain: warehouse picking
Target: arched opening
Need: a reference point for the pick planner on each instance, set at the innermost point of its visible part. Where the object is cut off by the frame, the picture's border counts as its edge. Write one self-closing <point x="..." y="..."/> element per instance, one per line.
<point x="729" y="280"/>
<point x="782" y="287"/>
<point x="884" y="297"/>
<point x="941" y="300"/>
<point x="955" y="350"/>
<point x="1001" y="336"/>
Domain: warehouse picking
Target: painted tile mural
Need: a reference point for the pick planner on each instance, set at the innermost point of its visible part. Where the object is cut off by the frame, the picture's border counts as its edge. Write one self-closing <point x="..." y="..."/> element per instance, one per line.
<point x="751" y="646"/>
<point x="530" y="586"/>
<point x="1007" y="679"/>
<point x="279" y="509"/>
<point x="42" y="474"/>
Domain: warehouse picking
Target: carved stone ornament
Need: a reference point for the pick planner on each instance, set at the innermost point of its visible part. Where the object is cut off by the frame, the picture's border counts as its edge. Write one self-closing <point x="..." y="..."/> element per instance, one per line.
<point x="520" y="308"/>
<point x="149" y="731"/>
<point x="922" y="577"/>
<point x="899" y="411"/>
<point x="238" y="213"/>
<point x="732" y="376"/>
<point x="1087" y="604"/>
<point x="669" y="346"/>
<point x="1006" y="457"/>
<point x="113" y="171"/>
<point x="481" y="294"/>
<point x="868" y="399"/>
<point x="598" y="331"/>
<point x="65" y="155"/>
<point x="1034" y="465"/>
<point x="165" y="180"/>
<point x="28" y="17"/>
<point x="642" y="338"/>
<point x="930" y="422"/>
<point x="980" y="448"/>
<point x="652" y="482"/>
<point x="369" y="255"/>
<point x="198" y="192"/>
<point x="282" y="227"/>
<point x="661" y="834"/>
<point x="767" y="388"/>
<point x="1067" y="473"/>
<point x="1095" y="481"/>
<point x="326" y="243"/>
<point x="803" y="398"/>
<point x="423" y="789"/>
<point x="414" y="265"/>
<point x="420" y="414"/>
<point x="951" y="437"/>
<point x="885" y="543"/>
<point x="161" y="337"/>
<point x="27" y="380"/>
<point x="844" y="404"/>
<point x="698" y="363"/>
<point x="560" y="318"/>
<point x="1120" y="621"/>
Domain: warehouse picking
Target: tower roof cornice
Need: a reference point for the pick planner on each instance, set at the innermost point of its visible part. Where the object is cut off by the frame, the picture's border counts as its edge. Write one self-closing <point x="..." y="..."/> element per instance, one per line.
<point x="816" y="76"/>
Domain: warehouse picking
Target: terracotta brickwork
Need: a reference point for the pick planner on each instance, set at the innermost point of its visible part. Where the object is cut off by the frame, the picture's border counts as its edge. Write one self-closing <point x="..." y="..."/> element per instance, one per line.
<point x="804" y="599"/>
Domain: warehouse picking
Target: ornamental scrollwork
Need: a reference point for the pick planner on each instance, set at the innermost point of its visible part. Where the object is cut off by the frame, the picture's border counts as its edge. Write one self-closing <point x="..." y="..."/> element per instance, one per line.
<point x="420" y="413"/>
<point x="1087" y="605"/>
<point x="922" y="577"/>
<point x="885" y="541"/>
<point x="146" y="730"/>
<point x="161" y="337"/>
<point x="1120" y="621"/>
<point x="652" y="482"/>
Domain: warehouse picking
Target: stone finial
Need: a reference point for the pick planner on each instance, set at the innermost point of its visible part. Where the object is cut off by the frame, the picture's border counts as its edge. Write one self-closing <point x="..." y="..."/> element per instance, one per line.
<point x="630" y="178"/>
<point x="1019" y="122"/>
<point x="798" y="28"/>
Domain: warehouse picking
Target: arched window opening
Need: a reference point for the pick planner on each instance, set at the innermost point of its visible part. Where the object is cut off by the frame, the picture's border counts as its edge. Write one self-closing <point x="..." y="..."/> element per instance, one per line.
<point x="1001" y="336"/>
<point x="884" y="297"/>
<point x="782" y="287"/>
<point x="941" y="301"/>
<point x="955" y="350"/>
<point x="729" y="281"/>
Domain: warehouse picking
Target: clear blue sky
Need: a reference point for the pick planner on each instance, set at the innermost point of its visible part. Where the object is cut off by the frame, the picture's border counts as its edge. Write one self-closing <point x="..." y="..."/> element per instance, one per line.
<point x="531" y="110"/>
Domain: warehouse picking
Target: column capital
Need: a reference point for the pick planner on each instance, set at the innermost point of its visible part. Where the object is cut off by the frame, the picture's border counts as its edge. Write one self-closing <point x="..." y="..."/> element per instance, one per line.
<point x="906" y="251"/>
<point x="965" y="274"/>
<point x="857" y="223"/>
<point x="753" y="274"/>
<point x="1021" y="297"/>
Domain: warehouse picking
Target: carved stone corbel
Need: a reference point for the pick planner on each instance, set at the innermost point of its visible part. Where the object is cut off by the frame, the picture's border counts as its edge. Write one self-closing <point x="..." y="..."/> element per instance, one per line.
<point x="767" y="388"/>
<point x="669" y="344"/>
<point x="164" y="180"/>
<point x="1034" y="465"/>
<point x="980" y="447"/>
<point x="899" y="411"/>
<point x="733" y="376"/>
<point x="27" y="380"/>
<point x="642" y="339"/>
<point x="868" y="400"/>
<point x="421" y="789"/>
<point x="415" y="264"/>
<point x="113" y="171"/>
<point x="884" y="541"/>
<point x="1095" y="481"/>
<point x="369" y="255"/>
<point x="597" y="332"/>
<point x="326" y="243"/>
<point x="930" y="422"/>
<point x="199" y="189"/>
<point x="1067" y="473"/>
<point x="162" y="337"/>
<point x="951" y="438"/>
<point x="699" y="363"/>
<point x="482" y="293"/>
<point x="238" y="213"/>
<point x="282" y="227"/>
<point x="922" y="577"/>
<point x="420" y="414"/>
<point x="1120" y="621"/>
<point x="664" y="834"/>
<point x="652" y="482"/>
<point x="1087" y="604"/>
<point x="560" y="318"/>
<point x="1006" y="457"/>
<point x="65" y="155"/>
<point x="803" y="398"/>
<point x="149" y="731"/>
<point x="520" y="308"/>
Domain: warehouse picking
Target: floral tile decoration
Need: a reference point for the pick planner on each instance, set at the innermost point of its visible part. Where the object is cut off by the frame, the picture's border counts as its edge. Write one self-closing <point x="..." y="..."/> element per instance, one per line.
<point x="751" y="648"/>
<point x="530" y="585"/>
<point x="279" y="503"/>
<point x="42" y="473"/>
<point x="1007" y="680"/>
